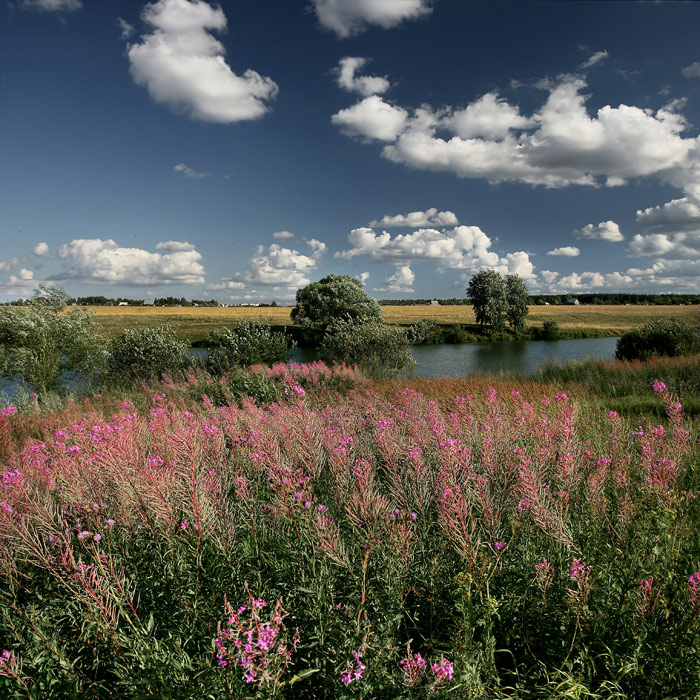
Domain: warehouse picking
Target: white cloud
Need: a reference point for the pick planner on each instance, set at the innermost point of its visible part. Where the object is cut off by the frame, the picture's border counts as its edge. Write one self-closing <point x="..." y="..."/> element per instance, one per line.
<point x="692" y="71"/>
<point x="490" y="117"/>
<point x="604" y="231"/>
<point x="414" y="219"/>
<point x="283" y="234"/>
<point x="365" y="85"/>
<point x="363" y="277"/>
<point x="187" y="171"/>
<point x="276" y="265"/>
<point x="597" y="57"/>
<point x="7" y="265"/>
<point x="183" y="66"/>
<point x="652" y="244"/>
<point x="24" y="275"/>
<point x="559" y="145"/>
<point x="175" y="246"/>
<point x="41" y="249"/>
<point x="569" y="251"/>
<point x="347" y="18"/>
<point x="372" y="119"/>
<point x="104" y="261"/>
<point x="401" y="281"/>
<point x="227" y="284"/>
<point x="125" y="28"/>
<point x="672" y="217"/>
<point x="52" y="5"/>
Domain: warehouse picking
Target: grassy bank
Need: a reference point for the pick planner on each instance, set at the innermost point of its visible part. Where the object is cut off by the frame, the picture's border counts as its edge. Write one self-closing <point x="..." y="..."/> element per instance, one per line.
<point x="195" y="324"/>
<point x="484" y="538"/>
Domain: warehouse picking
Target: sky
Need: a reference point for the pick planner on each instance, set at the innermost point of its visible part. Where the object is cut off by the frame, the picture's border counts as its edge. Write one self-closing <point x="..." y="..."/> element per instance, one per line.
<point x="240" y="150"/>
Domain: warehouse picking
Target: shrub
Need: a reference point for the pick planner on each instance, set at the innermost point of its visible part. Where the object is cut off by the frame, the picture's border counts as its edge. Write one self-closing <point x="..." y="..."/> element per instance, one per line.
<point x="249" y="343"/>
<point x="424" y="332"/>
<point x="550" y="330"/>
<point x="661" y="337"/>
<point x="41" y="344"/>
<point x="454" y="333"/>
<point x="377" y="349"/>
<point x="140" y="355"/>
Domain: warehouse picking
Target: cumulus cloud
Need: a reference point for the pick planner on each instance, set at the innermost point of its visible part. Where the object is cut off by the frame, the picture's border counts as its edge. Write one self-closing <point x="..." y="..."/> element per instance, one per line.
<point x="692" y="71"/>
<point x="349" y="18"/>
<point x="401" y="281"/>
<point x="569" y="251"/>
<point x="175" y="246"/>
<point x="363" y="277"/>
<point x="414" y="219"/>
<point x="604" y="231"/>
<point x="41" y="249"/>
<point x="678" y="215"/>
<point x="52" y="5"/>
<point x="187" y="171"/>
<point x="93" y="259"/>
<point x="182" y="65"/>
<point x="7" y="265"/>
<point x="276" y="265"/>
<point x="283" y="234"/>
<point x="372" y="119"/>
<point x="597" y="57"/>
<point x="227" y="284"/>
<point x="558" y="145"/>
<point x="365" y="85"/>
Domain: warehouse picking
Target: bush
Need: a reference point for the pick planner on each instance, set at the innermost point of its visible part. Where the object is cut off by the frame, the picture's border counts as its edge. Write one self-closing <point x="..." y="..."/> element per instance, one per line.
<point x="661" y="337"/>
<point x="424" y="332"/>
<point x="454" y="333"/>
<point x="141" y="355"/>
<point x="377" y="349"/>
<point x="249" y="343"/>
<point x="40" y="344"/>
<point x="550" y="330"/>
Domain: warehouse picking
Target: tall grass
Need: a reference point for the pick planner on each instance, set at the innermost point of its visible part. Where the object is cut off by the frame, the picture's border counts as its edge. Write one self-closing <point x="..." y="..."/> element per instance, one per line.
<point x="345" y="541"/>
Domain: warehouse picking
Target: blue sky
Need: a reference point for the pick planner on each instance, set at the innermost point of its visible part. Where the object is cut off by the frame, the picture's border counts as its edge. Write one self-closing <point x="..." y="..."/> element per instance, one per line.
<point x="240" y="150"/>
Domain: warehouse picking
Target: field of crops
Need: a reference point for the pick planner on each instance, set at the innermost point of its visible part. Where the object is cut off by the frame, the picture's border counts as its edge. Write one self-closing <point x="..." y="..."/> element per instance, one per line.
<point x="195" y="323"/>
<point x="349" y="539"/>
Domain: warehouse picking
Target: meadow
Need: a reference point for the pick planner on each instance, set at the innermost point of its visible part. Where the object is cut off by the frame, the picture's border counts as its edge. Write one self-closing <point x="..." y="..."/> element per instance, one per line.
<point x="346" y="538"/>
<point x="195" y="324"/>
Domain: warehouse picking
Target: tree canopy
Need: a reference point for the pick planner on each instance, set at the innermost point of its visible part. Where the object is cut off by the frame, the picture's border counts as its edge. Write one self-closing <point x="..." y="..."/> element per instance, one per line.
<point x="497" y="299"/>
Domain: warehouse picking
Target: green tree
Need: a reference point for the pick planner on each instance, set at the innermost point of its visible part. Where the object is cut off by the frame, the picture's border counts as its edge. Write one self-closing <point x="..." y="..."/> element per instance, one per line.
<point x="249" y="343"/>
<point x="376" y="348"/>
<point x="40" y="343"/>
<point x="487" y="292"/>
<point x="660" y="337"/>
<point x="335" y="297"/>
<point x="516" y="302"/>
<point x="144" y="354"/>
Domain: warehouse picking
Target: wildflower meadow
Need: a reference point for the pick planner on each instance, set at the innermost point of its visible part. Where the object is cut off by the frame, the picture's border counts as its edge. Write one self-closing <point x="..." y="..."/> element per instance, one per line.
<point x="337" y="541"/>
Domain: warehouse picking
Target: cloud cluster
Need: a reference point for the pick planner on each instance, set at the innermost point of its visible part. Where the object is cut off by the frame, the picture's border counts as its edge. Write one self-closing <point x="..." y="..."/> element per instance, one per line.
<point x="692" y="71"/>
<point x="349" y="18"/>
<point x="41" y="249"/>
<point x="187" y="171"/>
<point x="52" y="5"/>
<point x="678" y="215"/>
<point x="276" y="265"/>
<point x="401" y="281"/>
<point x="183" y="66"/>
<point x="604" y="231"/>
<point x="365" y="85"/>
<point x="97" y="260"/>
<point x="226" y="284"/>
<point x="569" y="251"/>
<point x="415" y="219"/>
<point x="558" y="145"/>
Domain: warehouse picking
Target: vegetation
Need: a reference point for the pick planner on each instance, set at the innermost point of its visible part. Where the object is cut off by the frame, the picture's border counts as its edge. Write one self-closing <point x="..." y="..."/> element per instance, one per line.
<point x="143" y="355"/>
<point x="333" y="298"/>
<point x="660" y="337"/>
<point x="484" y="539"/>
<point x="249" y="343"/>
<point x="497" y="300"/>
<point x="39" y="343"/>
<point x="373" y="346"/>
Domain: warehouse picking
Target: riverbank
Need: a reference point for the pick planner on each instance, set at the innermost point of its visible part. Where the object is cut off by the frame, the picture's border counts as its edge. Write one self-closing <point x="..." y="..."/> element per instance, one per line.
<point x="195" y="323"/>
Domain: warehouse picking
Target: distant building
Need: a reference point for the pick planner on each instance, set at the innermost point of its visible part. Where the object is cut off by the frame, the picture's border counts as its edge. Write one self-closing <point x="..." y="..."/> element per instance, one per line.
<point x="434" y="302"/>
<point x="123" y="303"/>
<point x="573" y="301"/>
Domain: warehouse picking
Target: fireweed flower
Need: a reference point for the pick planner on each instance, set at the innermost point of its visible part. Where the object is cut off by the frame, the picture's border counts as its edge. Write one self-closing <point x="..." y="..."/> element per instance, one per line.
<point x="412" y="667"/>
<point x="352" y="674"/>
<point x="577" y="568"/>
<point x="694" y="590"/>
<point x="442" y="670"/>
<point x="82" y="535"/>
<point x="499" y="546"/>
<point x="659" y="386"/>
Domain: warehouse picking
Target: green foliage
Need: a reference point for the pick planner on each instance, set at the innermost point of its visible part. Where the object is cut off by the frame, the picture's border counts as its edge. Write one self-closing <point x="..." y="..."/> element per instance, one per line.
<point x="40" y="344"/>
<point x="487" y="292"/>
<point x="321" y="303"/>
<point x="376" y="348"/>
<point x="661" y="337"/>
<point x="249" y="343"/>
<point x="141" y="355"/>
<point x="550" y="330"/>
<point x="516" y="302"/>
<point x="424" y="332"/>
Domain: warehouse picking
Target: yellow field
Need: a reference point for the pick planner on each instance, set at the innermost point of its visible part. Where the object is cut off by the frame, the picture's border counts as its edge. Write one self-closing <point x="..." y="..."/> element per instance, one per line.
<point x="195" y="324"/>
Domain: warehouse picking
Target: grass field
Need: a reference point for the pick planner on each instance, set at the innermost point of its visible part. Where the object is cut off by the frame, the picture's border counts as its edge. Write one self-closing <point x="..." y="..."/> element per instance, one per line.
<point x="195" y="324"/>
